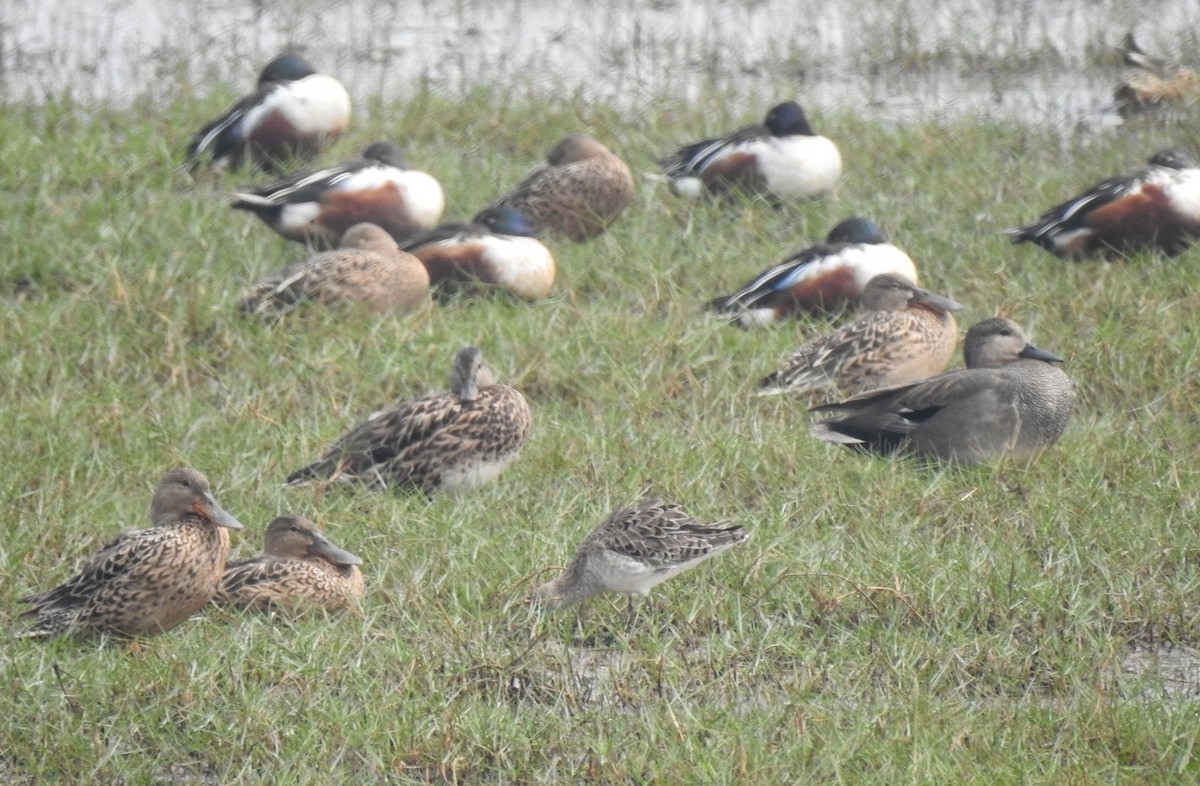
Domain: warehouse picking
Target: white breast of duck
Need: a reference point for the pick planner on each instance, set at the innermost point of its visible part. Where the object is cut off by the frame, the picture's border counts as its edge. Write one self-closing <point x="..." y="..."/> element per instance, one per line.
<point x="316" y="104"/>
<point x="521" y="265"/>
<point x="1183" y="193"/>
<point x="798" y="166"/>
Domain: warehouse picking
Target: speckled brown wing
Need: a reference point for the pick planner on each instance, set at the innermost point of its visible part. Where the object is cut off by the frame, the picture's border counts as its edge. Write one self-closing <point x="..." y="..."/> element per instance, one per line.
<point x="140" y="584"/>
<point x="382" y="438"/>
<point x="488" y="428"/>
<point x="579" y="199"/>
<point x="268" y="583"/>
<point x="113" y="560"/>
<point x="660" y="535"/>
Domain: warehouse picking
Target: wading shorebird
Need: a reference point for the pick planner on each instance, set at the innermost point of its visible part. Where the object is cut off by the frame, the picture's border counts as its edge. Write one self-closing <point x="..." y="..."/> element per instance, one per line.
<point x="635" y="549"/>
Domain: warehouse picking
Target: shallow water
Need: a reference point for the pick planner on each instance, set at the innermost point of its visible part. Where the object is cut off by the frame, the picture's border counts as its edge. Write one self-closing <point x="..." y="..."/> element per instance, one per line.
<point x="1042" y="61"/>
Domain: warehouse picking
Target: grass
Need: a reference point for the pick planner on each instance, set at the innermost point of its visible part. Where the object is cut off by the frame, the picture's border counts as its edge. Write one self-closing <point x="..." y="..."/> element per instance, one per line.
<point x="886" y="623"/>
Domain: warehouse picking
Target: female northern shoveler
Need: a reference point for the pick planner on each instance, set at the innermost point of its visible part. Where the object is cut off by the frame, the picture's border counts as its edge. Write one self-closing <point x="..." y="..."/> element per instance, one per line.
<point x="578" y="192"/>
<point x="635" y="549"/>
<point x="145" y="582"/>
<point x="1009" y="400"/>
<point x="368" y="269"/>
<point x="294" y="114"/>
<point x="1157" y="207"/>
<point x="1150" y="83"/>
<point x="318" y="207"/>
<point x="908" y="335"/>
<point x="824" y="277"/>
<point x="497" y="248"/>
<point x="783" y="158"/>
<point x="448" y="442"/>
<point x="299" y="568"/>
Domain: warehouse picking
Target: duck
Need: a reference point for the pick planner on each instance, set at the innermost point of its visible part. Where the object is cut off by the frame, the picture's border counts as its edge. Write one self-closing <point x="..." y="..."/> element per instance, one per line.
<point x="635" y="549"/>
<point x="145" y="582"/>
<point x="783" y="159"/>
<point x="1154" y="208"/>
<point x="317" y="207"/>
<point x="578" y="192"/>
<point x="1150" y="83"/>
<point x="299" y="569"/>
<point x="907" y="334"/>
<point x="367" y="269"/>
<point x="294" y="114"/>
<point x="820" y="279"/>
<point x="1011" y="400"/>
<point x="497" y="249"/>
<point x="452" y="442"/>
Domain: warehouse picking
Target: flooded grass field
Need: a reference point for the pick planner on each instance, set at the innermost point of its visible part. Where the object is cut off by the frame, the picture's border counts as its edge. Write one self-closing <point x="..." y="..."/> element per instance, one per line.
<point x="885" y="624"/>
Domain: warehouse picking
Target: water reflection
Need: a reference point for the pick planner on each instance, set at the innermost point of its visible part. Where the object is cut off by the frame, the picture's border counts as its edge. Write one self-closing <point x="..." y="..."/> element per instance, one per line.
<point x="1045" y="61"/>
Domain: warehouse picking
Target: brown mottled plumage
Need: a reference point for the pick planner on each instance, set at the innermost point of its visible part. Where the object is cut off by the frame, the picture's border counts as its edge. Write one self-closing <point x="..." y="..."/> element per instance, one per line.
<point x="299" y="568"/>
<point x="145" y="582"/>
<point x="1150" y="83"/>
<point x="367" y="269"/>
<point x="1010" y="400"/>
<point x="635" y="549"/>
<point x="451" y="441"/>
<point x="578" y="192"/>
<point x="909" y="334"/>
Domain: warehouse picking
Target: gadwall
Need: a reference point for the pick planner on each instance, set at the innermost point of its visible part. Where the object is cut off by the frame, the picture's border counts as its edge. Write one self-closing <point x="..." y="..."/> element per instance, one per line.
<point x="1010" y="400"/>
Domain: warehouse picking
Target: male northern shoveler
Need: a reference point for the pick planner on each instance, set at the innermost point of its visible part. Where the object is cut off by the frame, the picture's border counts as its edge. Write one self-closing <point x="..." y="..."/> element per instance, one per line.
<point x="368" y="269"/>
<point x="448" y="442"/>
<point x="635" y="549"/>
<point x="145" y="582"/>
<point x="908" y="334"/>
<point x="294" y="114"/>
<point x="1150" y="83"/>
<point x="299" y="569"/>
<point x="1009" y="400"/>
<point x="822" y="278"/>
<point x="1157" y="207"/>
<point x="318" y="207"/>
<point x="497" y="248"/>
<point x="783" y="158"/>
<point x="578" y="192"/>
